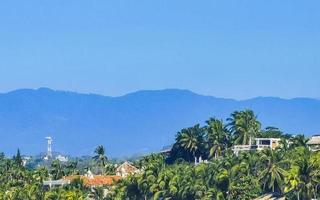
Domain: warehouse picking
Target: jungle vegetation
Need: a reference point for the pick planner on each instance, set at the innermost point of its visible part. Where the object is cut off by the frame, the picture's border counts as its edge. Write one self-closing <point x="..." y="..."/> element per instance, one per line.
<point x="291" y="170"/>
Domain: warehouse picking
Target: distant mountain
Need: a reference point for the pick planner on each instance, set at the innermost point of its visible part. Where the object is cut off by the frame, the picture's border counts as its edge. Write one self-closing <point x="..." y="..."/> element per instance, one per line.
<point x="139" y="122"/>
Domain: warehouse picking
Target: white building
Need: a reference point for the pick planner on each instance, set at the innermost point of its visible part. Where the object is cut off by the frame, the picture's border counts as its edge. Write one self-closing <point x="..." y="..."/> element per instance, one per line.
<point x="25" y="160"/>
<point x="260" y="144"/>
<point x="62" y="158"/>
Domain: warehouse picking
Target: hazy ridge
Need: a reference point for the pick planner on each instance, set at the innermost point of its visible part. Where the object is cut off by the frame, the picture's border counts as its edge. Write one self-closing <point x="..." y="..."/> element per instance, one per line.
<point x="138" y="122"/>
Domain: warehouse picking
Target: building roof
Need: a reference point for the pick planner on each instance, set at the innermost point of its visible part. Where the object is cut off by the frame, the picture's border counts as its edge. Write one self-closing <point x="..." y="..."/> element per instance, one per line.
<point x="314" y="140"/>
<point x="95" y="180"/>
<point x="127" y="167"/>
<point x="270" y="197"/>
<point x="166" y="149"/>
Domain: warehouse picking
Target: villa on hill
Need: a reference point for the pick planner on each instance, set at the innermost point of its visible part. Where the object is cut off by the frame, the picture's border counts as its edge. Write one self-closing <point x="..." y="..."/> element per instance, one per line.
<point x="126" y="169"/>
<point x="314" y="143"/>
<point x="260" y="144"/>
<point x="91" y="180"/>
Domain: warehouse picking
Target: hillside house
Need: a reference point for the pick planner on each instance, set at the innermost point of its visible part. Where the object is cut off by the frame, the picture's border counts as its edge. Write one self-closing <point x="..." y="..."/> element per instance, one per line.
<point x="62" y="158"/>
<point x="126" y="169"/>
<point x="260" y="144"/>
<point x="314" y="143"/>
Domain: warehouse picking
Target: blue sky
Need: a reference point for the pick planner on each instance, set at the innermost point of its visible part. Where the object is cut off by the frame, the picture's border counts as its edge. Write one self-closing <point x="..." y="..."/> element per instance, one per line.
<point x="238" y="49"/>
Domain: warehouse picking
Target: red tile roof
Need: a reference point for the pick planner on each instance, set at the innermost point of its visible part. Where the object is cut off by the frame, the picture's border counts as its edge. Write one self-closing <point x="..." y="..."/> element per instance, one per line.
<point x="96" y="180"/>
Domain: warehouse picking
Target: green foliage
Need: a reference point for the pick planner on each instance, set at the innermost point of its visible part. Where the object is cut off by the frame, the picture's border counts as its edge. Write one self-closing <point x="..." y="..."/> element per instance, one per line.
<point x="244" y="126"/>
<point x="59" y="193"/>
<point x="218" y="137"/>
<point x="291" y="170"/>
<point x="20" y="183"/>
<point x="57" y="170"/>
<point x="273" y="132"/>
<point x="191" y="142"/>
<point x="100" y="157"/>
<point x="273" y="170"/>
<point x="18" y="159"/>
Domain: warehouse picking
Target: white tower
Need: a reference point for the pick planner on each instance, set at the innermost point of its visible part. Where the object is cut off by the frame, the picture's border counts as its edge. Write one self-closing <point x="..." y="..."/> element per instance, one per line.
<point x="49" y="148"/>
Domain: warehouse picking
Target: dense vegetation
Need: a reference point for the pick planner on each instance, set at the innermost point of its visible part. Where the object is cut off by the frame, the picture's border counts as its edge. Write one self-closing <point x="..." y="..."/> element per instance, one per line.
<point x="18" y="182"/>
<point x="291" y="170"/>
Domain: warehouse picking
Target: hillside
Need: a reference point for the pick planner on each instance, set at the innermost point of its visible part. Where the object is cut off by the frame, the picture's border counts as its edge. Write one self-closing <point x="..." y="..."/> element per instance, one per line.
<point x="139" y="122"/>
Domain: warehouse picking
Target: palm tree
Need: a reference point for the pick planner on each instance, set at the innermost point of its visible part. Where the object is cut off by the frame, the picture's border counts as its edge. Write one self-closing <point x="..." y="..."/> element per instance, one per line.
<point x="71" y="168"/>
<point x="249" y="161"/>
<point x="304" y="174"/>
<point x="284" y="147"/>
<point x="100" y="157"/>
<point x="217" y="137"/>
<point x="244" y="126"/>
<point x="40" y="174"/>
<point x="57" y="171"/>
<point x="213" y="193"/>
<point x="271" y="132"/>
<point x="273" y="171"/>
<point x="299" y="140"/>
<point x="191" y="140"/>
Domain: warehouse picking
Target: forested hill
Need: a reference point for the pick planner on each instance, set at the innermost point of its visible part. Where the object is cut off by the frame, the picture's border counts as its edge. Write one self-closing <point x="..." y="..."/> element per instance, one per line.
<point x="139" y="122"/>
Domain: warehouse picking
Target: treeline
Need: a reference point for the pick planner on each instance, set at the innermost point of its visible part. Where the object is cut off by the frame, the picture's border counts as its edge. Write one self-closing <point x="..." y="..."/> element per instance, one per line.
<point x="213" y="139"/>
<point x="18" y="182"/>
<point x="291" y="170"/>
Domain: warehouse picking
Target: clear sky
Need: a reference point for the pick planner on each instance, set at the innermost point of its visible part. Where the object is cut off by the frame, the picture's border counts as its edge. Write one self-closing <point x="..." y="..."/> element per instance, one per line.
<point x="238" y="49"/>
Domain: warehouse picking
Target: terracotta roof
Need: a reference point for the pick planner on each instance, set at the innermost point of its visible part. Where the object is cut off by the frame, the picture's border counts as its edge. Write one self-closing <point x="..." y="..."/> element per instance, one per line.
<point x="96" y="180"/>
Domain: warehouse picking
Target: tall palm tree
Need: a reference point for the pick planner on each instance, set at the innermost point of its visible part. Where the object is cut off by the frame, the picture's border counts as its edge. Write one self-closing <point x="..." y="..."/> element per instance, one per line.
<point x="304" y="174"/>
<point x="299" y="141"/>
<point x="248" y="160"/>
<point x="217" y="137"/>
<point x="57" y="171"/>
<point x="40" y="174"/>
<point x="244" y="126"/>
<point x="151" y="166"/>
<point x="71" y="168"/>
<point x="284" y="146"/>
<point x="271" y="132"/>
<point x="191" y="140"/>
<point x="273" y="170"/>
<point x="100" y="157"/>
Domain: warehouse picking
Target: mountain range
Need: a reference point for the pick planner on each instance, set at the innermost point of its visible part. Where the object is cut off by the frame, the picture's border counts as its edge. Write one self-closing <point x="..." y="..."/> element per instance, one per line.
<point x="138" y="122"/>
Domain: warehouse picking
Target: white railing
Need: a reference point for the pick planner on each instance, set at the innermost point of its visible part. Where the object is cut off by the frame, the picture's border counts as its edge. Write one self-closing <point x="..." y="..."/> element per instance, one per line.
<point x="237" y="148"/>
<point x="263" y="146"/>
<point x="242" y="147"/>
